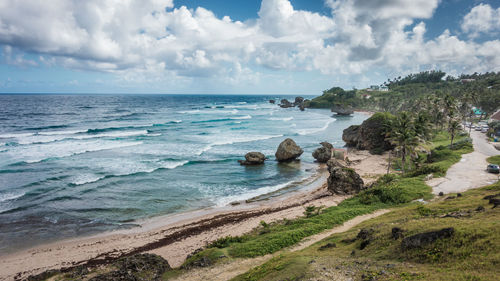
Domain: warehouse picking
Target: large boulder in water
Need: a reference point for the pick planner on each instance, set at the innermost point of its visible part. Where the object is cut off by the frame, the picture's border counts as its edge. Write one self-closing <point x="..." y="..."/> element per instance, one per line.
<point x="370" y="135"/>
<point x="343" y="180"/>
<point x="324" y="153"/>
<point x="288" y="150"/>
<point x="253" y="158"/>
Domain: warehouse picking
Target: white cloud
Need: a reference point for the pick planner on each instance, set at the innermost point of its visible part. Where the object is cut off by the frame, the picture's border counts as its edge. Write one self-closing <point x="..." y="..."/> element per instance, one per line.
<point x="481" y="19"/>
<point x="151" y="40"/>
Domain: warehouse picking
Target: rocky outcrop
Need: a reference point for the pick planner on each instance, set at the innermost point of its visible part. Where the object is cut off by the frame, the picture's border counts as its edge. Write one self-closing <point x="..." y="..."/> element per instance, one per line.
<point x="136" y="267"/>
<point x="299" y="100"/>
<point x="286" y="104"/>
<point x="272" y="101"/>
<point x="288" y="150"/>
<point x="324" y="153"/>
<point x="370" y="135"/>
<point x="343" y="180"/>
<point x="342" y="110"/>
<point x="253" y="158"/>
<point x="422" y="239"/>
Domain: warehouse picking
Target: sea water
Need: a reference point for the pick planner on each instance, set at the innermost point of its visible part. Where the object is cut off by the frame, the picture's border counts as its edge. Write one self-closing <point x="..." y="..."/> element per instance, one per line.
<point x="73" y="165"/>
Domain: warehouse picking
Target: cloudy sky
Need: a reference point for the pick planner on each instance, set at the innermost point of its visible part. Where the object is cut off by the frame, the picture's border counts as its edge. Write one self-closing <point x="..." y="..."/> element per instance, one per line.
<point x="239" y="46"/>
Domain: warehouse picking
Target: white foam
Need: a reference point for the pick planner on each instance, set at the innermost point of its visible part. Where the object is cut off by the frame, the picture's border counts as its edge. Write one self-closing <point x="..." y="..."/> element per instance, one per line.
<point x="10" y="196"/>
<point x="55" y="133"/>
<point x="14" y="135"/>
<point x="241" y="117"/>
<point x="38" y="153"/>
<point x="235" y="139"/>
<point x="174" y="164"/>
<point x="315" y="130"/>
<point x="251" y="194"/>
<point x="281" y="119"/>
<point x="82" y="179"/>
<point x="51" y="137"/>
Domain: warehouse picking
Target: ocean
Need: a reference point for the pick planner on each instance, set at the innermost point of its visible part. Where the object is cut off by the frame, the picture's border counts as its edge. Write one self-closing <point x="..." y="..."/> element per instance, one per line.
<point x="73" y="165"/>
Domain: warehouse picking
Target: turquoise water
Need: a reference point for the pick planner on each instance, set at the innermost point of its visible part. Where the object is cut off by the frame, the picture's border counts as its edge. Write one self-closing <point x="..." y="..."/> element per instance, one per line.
<point x="75" y="165"/>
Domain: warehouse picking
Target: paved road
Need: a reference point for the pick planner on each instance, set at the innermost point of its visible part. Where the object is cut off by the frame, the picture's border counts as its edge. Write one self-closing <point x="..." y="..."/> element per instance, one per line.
<point x="470" y="172"/>
<point x="481" y="144"/>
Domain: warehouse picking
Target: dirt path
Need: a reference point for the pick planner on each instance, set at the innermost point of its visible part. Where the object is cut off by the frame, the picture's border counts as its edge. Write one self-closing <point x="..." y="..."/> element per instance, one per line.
<point x="470" y="172"/>
<point x="226" y="271"/>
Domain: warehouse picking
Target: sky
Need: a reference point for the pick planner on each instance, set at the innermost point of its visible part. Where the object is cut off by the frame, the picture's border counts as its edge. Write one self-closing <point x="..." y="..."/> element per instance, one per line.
<point x="238" y="46"/>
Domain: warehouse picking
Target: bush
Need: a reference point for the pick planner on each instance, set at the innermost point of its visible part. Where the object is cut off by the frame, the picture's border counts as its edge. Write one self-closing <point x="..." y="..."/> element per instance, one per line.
<point x="396" y="192"/>
<point x="225" y="242"/>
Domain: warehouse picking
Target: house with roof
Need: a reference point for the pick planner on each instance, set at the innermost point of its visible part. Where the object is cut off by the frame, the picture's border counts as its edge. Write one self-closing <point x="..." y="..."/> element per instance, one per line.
<point x="495" y="117"/>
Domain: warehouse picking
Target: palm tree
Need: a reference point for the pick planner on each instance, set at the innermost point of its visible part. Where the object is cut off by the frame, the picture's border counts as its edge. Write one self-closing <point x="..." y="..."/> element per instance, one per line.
<point x="453" y="129"/>
<point x="422" y="125"/>
<point x="403" y="136"/>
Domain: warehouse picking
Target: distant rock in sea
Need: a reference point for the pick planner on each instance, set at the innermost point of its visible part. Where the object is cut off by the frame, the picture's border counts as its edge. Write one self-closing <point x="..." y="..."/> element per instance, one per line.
<point x="288" y="150"/>
<point x="253" y="158"/>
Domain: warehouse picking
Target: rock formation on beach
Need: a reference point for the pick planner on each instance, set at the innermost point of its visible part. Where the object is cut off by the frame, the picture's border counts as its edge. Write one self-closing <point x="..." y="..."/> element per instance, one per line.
<point x="324" y="153"/>
<point x="370" y="135"/>
<point x="288" y="150"/>
<point x="342" y="110"/>
<point x="253" y="158"/>
<point x="272" y="101"/>
<point x="343" y="180"/>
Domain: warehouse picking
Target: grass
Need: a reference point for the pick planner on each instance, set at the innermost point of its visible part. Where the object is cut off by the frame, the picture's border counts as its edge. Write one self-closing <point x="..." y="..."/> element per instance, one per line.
<point x="473" y="252"/>
<point x="494" y="159"/>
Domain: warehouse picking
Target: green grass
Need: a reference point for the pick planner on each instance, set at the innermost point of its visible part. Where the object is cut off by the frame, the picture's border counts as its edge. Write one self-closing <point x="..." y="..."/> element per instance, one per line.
<point x="494" y="159"/>
<point x="473" y="253"/>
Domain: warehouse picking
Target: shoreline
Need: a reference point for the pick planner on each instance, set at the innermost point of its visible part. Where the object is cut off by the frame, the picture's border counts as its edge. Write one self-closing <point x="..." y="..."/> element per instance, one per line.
<point x="185" y="232"/>
<point x="175" y="237"/>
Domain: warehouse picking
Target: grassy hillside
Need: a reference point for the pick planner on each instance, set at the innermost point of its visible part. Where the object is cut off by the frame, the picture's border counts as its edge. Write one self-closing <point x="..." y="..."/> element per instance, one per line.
<point x="471" y="253"/>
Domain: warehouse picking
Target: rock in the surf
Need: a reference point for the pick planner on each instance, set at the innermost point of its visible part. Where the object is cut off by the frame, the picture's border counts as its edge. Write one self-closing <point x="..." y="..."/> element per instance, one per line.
<point x="288" y="150"/>
<point x="285" y="103"/>
<point x="253" y="158"/>
<point x="324" y="153"/>
<point x="343" y="180"/>
<point x="299" y="100"/>
<point x="272" y="101"/>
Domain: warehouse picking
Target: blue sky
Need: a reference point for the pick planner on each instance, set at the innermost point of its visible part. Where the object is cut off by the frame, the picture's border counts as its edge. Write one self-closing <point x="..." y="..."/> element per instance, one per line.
<point x="238" y="47"/>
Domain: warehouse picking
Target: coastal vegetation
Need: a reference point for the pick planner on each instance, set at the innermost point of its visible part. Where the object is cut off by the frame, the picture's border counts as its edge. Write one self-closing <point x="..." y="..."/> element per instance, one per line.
<point x="471" y="252"/>
<point x="432" y="91"/>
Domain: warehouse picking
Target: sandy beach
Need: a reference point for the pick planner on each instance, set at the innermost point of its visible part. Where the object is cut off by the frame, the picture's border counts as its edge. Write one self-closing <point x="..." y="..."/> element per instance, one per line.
<point x="175" y="237"/>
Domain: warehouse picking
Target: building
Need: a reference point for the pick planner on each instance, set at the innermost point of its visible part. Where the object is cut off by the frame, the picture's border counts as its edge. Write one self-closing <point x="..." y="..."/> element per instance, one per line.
<point x="495" y="117"/>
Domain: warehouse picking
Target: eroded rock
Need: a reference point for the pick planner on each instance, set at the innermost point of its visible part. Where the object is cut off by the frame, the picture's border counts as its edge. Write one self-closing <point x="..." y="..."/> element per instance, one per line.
<point x="253" y="158"/>
<point x="343" y="180"/>
<point x="288" y="150"/>
<point x="422" y="239"/>
<point x="324" y="153"/>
